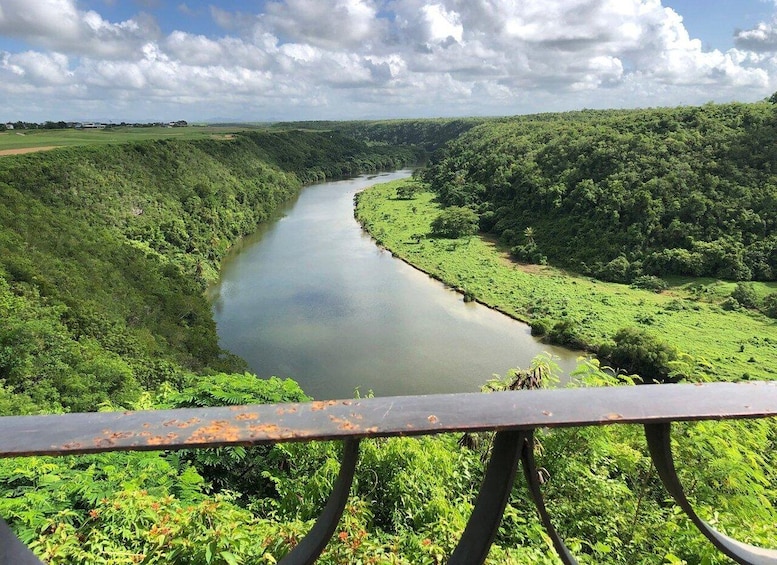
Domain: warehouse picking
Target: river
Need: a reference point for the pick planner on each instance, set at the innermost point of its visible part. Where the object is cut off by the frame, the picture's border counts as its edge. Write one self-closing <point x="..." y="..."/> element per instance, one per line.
<point x="310" y="296"/>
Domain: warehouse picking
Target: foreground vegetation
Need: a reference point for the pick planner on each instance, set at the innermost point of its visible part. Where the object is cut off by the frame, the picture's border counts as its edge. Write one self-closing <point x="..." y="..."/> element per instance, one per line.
<point x="410" y="501"/>
<point x="104" y="254"/>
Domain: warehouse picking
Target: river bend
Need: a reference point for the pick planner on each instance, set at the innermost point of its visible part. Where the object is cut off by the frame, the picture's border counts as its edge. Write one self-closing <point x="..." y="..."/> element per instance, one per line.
<point x="310" y="296"/>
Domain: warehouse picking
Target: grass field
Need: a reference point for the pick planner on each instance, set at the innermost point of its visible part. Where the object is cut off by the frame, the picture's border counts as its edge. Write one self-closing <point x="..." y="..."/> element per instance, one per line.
<point x="736" y="344"/>
<point x="14" y="141"/>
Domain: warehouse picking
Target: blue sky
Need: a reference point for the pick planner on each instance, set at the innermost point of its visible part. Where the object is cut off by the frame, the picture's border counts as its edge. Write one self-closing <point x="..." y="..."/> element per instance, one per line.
<point x="714" y="22"/>
<point x="144" y="60"/>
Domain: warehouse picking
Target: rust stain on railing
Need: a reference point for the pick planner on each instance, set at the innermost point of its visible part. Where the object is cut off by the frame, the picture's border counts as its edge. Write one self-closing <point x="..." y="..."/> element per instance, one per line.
<point x="390" y="416"/>
<point x="514" y="415"/>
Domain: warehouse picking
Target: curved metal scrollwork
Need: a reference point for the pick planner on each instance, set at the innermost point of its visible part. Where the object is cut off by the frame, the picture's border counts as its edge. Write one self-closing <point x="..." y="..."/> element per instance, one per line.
<point x="509" y="447"/>
<point x="660" y="447"/>
<point x="486" y="516"/>
<point x="314" y="543"/>
<point x="533" y="481"/>
<point x="13" y="551"/>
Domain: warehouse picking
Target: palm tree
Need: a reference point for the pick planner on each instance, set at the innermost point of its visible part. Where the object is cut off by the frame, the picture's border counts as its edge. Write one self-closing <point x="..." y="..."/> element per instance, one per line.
<point x="528" y="233"/>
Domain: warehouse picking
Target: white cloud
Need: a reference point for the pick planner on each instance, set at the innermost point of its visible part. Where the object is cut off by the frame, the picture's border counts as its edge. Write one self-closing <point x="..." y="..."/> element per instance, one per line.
<point x="762" y="38"/>
<point x="40" y="19"/>
<point x="443" y="24"/>
<point x="37" y="69"/>
<point x="200" y="50"/>
<point x="380" y="58"/>
<point x="61" y="26"/>
<point x="342" y="24"/>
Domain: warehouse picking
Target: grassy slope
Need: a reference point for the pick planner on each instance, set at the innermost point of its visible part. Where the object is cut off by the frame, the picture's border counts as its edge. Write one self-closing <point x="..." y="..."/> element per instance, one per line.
<point x="105" y="252"/>
<point x="45" y="138"/>
<point x="687" y="315"/>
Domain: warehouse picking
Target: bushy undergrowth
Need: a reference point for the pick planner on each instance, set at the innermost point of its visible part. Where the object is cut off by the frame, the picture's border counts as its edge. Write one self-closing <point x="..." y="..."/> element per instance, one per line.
<point x="411" y="496"/>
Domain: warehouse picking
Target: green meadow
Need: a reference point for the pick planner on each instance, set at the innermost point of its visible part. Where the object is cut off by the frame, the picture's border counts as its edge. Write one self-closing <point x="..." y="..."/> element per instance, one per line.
<point x="45" y="138"/>
<point x="724" y="344"/>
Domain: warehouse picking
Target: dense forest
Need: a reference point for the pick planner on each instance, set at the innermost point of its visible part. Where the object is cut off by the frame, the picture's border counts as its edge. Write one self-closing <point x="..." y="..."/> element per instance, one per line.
<point x="428" y="134"/>
<point x="621" y="194"/>
<point x="105" y="253"/>
<point x="104" y="256"/>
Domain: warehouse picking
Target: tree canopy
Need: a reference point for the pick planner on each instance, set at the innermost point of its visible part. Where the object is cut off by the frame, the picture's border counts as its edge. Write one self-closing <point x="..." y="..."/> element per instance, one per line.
<point x="454" y="222"/>
<point x="683" y="191"/>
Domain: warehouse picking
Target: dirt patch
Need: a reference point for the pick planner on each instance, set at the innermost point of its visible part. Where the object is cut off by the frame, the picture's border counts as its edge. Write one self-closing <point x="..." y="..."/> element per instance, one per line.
<point x="506" y="259"/>
<point x="532" y="269"/>
<point x="22" y="150"/>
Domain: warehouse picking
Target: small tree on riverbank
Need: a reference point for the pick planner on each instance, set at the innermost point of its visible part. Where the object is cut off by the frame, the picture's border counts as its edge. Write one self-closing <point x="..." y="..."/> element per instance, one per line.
<point x="408" y="191"/>
<point x="455" y="222"/>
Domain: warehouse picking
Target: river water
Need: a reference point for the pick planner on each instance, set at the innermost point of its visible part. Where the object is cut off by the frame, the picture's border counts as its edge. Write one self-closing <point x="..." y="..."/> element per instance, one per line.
<point x="310" y="296"/>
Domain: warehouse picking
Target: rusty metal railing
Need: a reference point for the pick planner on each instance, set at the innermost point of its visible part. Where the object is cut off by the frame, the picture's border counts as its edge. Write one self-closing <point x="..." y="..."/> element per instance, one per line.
<point x="513" y="415"/>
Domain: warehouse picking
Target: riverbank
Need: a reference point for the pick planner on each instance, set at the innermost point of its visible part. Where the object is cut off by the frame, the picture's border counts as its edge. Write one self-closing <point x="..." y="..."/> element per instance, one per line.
<point x="713" y="342"/>
<point x="312" y="298"/>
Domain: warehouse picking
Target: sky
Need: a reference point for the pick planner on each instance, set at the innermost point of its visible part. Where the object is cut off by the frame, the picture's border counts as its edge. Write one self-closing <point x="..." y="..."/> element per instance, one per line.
<point x="258" y="61"/>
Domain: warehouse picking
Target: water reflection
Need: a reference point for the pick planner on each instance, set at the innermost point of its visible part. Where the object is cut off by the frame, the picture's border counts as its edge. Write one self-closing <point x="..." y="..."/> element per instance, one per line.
<point x="311" y="297"/>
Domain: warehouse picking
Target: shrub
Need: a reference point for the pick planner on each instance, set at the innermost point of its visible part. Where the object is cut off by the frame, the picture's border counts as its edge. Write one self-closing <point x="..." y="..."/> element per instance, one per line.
<point x="618" y="270"/>
<point x="529" y="253"/>
<point x="769" y="305"/>
<point x="540" y="327"/>
<point x="408" y="191"/>
<point x="650" y="282"/>
<point x="730" y="304"/>
<point x="565" y="332"/>
<point x="637" y="352"/>
<point x="454" y="222"/>
<point x="508" y="237"/>
<point x="745" y="295"/>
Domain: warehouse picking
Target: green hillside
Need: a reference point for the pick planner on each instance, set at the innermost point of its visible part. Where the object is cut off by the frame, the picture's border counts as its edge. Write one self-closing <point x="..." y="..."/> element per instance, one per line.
<point x="620" y="194"/>
<point x="105" y="253"/>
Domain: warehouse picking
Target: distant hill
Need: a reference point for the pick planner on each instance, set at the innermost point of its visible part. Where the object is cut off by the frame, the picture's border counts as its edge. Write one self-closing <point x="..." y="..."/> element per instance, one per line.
<point x="618" y="194"/>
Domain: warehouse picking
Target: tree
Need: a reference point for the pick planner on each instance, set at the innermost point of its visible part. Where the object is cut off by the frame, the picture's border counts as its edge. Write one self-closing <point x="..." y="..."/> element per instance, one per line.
<point x="454" y="222"/>
<point x="640" y="353"/>
<point x="746" y="296"/>
<point x="528" y="233"/>
<point x="407" y="191"/>
<point x="617" y="270"/>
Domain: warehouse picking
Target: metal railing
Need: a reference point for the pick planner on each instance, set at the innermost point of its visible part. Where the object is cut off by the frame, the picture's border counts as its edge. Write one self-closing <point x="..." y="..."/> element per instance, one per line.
<point x="513" y="415"/>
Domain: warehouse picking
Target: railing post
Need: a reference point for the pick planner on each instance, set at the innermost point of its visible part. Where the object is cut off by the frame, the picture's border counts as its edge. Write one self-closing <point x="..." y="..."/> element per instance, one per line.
<point x="12" y="550"/>
<point x="311" y="546"/>
<point x="660" y="447"/>
<point x="487" y="514"/>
